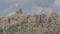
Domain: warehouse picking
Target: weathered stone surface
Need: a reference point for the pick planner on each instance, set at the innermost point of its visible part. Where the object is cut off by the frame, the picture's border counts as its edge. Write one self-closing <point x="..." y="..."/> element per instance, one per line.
<point x="32" y="24"/>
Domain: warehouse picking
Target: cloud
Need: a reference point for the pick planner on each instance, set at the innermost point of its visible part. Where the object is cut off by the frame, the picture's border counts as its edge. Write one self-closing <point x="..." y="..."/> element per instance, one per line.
<point x="39" y="10"/>
<point x="44" y="10"/>
<point x="10" y="14"/>
<point x="57" y="3"/>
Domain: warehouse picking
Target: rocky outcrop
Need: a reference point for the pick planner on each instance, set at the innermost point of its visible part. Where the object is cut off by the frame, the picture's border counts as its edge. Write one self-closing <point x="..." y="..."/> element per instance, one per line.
<point x="31" y="24"/>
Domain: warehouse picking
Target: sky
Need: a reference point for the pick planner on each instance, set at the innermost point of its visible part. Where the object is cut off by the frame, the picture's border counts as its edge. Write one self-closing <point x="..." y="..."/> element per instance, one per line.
<point x="9" y="7"/>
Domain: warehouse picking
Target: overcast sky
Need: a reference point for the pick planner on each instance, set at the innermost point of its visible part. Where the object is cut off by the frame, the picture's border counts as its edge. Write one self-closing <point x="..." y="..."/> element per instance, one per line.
<point x="8" y="7"/>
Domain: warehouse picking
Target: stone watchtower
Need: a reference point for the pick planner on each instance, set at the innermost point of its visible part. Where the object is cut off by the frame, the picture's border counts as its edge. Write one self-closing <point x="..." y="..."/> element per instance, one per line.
<point x="20" y="11"/>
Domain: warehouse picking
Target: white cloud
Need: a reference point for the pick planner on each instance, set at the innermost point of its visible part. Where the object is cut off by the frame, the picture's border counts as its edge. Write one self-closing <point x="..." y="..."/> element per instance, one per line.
<point x="10" y="14"/>
<point x="17" y="4"/>
<point x="44" y="10"/>
<point x="40" y="9"/>
<point x="57" y="3"/>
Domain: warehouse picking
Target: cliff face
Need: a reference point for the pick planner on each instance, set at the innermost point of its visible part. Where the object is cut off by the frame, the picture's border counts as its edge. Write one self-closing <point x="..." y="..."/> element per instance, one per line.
<point x="20" y="23"/>
<point x="18" y="18"/>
